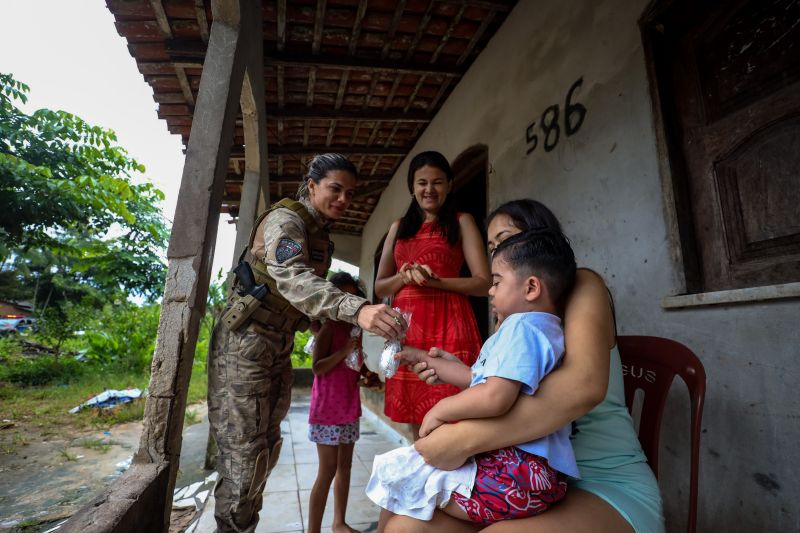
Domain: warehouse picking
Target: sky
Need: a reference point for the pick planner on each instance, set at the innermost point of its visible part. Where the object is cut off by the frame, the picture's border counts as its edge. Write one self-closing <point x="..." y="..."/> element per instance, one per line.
<point x="69" y="53"/>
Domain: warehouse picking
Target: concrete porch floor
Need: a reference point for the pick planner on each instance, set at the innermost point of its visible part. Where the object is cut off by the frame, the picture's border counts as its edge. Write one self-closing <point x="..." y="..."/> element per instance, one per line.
<point x="286" y="495"/>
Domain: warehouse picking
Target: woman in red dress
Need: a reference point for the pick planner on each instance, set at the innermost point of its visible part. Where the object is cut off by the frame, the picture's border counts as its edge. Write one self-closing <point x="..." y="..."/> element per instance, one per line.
<point x="420" y="265"/>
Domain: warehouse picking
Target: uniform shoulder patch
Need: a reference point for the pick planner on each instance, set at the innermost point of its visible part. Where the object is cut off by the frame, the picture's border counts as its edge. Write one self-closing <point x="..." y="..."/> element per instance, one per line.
<point x="287" y="248"/>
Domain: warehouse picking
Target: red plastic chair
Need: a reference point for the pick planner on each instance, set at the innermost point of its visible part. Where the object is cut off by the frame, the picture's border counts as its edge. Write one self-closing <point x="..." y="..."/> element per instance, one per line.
<point x="650" y="365"/>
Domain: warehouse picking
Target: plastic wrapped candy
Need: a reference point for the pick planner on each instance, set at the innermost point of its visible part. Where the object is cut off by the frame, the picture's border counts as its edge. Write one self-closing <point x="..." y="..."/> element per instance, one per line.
<point x="388" y="364"/>
<point x="353" y="359"/>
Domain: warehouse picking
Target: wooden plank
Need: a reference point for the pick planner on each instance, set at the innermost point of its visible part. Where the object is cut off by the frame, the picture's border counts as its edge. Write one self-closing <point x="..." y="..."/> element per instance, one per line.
<point x="361" y="115"/>
<point x="362" y="9"/>
<point x="202" y="20"/>
<point x="342" y="87"/>
<point x="398" y="14"/>
<point x="391" y="94"/>
<point x="312" y="80"/>
<point x="439" y="95"/>
<point x="297" y="149"/>
<point x="191" y="54"/>
<point x="281" y="23"/>
<point x="161" y="18"/>
<point x="414" y="93"/>
<point x="319" y="23"/>
<point x="331" y="129"/>
<point x="388" y="142"/>
<point x="289" y="178"/>
<point x="476" y="37"/>
<point x="448" y="33"/>
<point x="185" y="87"/>
<point x="423" y="24"/>
<point x="281" y="92"/>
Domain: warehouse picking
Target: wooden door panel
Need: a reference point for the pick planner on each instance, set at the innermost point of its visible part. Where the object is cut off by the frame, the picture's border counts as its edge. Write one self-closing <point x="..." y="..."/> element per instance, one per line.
<point x="735" y="74"/>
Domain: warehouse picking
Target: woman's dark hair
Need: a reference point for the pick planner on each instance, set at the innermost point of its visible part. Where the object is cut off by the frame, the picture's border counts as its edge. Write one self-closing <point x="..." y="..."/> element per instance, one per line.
<point x="527" y="214"/>
<point x="447" y="218"/>
<point x="321" y="165"/>
<point x="343" y="279"/>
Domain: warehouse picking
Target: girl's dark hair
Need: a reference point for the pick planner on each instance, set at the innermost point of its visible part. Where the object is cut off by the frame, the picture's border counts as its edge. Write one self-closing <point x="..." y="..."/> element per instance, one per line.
<point x="447" y="217"/>
<point x="321" y="165"/>
<point x="527" y="214"/>
<point x="343" y="279"/>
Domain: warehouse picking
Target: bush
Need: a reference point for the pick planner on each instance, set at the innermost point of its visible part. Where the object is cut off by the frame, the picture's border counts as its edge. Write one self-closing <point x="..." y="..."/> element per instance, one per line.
<point x="41" y="370"/>
<point x="123" y="336"/>
<point x="301" y="359"/>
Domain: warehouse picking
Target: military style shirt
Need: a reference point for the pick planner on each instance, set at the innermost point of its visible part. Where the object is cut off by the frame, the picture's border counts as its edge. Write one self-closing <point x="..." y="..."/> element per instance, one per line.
<point x="298" y="263"/>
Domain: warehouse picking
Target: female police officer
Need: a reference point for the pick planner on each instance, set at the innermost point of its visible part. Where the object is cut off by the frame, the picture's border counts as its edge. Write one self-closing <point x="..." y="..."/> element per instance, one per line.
<point x="281" y="285"/>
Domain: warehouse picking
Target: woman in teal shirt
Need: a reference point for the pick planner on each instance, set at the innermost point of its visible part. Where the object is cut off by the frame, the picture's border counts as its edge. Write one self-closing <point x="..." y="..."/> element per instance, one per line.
<point x="617" y="491"/>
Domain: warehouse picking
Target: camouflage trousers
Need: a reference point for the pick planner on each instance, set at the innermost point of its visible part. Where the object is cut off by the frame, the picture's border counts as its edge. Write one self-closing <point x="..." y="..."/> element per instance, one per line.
<point x="249" y="393"/>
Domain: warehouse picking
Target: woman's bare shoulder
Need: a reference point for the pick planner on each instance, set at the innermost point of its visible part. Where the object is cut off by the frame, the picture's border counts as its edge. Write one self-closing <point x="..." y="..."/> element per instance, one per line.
<point x="586" y="278"/>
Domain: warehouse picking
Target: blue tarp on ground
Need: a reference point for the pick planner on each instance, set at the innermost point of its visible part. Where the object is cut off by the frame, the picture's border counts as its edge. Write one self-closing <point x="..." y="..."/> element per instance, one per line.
<point x="109" y="398"/>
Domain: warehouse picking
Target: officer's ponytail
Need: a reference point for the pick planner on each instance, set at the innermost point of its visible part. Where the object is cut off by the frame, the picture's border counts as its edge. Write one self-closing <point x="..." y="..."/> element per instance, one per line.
<point x="319" y="167"/>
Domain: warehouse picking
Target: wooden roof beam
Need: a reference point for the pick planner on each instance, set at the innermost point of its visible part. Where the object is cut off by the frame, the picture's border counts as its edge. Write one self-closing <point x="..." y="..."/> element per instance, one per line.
<point x="362" y="115"/>
<point x="161" y="18"/>
<point x="283" y="178"/>
<point x="296" y="149"/>
<point x="191" y="53"/>
<point x="362" y="9"/>
<point x="319" y="22"/>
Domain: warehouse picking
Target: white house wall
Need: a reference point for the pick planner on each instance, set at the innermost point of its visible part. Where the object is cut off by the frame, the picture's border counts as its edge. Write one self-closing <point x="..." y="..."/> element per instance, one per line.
<point x="605" y="185"/>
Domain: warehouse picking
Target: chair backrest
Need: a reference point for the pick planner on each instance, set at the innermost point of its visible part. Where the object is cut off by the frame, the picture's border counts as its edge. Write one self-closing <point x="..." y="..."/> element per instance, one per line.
<point x="650" y="364"/>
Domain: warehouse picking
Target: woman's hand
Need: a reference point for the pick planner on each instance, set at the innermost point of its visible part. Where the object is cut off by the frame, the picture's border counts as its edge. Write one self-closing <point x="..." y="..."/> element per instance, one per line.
<point x="382" y="320"/>
<point x="440" y="448"/>
<point x="430" y="422"/>
<point x="422" y="274"/>
<point x="405" y="273"/>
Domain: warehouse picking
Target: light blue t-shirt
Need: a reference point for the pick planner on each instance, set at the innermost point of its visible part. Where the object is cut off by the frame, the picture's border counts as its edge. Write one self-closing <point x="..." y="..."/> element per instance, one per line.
<point x="526" y="348"/>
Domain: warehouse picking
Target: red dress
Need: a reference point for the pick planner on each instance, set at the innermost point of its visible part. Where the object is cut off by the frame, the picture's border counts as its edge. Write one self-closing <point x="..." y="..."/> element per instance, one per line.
<point x="439" y="318"/>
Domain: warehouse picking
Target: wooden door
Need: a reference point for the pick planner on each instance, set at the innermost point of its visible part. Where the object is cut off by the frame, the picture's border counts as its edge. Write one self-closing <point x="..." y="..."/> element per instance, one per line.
<point x="729" y="81"/>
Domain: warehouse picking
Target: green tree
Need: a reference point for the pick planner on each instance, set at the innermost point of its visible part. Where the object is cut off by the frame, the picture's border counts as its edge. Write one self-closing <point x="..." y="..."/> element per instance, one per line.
<point x="73" y="224"/>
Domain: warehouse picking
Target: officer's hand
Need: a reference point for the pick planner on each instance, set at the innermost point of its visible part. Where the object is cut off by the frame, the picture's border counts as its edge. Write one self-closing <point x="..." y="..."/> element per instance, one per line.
<point x="382" y="320"/>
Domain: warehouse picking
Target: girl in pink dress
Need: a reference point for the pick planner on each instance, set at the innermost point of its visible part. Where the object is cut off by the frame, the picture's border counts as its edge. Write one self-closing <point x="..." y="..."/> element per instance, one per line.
<point x="333" y="415"/>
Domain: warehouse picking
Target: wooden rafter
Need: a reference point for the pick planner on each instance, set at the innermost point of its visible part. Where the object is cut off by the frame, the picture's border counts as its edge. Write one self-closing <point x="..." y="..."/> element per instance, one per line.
<point x="341" y="90"/>
<point x="329" y="137"/>
<point x="185" y="87"/>
<point x="312" y="81"/>
<point x="391" y="94"/>
<point x="161" y="18"/>
<point x="389" y="140"/>
<point x="362" y="9"/>
<point x="398" y="14"/>
<point x="368" y="115"/>
<point x="319" y="22"/>
<point x="343" y="63"/>
<point x="411" y="98"/>
<point x="296" y="149"/>
<point x="202" y="20"/>
<point x="448" y="33"/>
<point x="281" y="23"/>
<point x="284" y="178"/>
<point x="476" y="37"/>
<point x="439" y="95"/>
<point x="423" y="24"/>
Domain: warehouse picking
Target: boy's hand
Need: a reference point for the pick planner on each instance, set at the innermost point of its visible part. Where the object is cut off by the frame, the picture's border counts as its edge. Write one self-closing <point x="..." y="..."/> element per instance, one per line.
<point x="410" y="355"/>
<point x="430" y="422"/>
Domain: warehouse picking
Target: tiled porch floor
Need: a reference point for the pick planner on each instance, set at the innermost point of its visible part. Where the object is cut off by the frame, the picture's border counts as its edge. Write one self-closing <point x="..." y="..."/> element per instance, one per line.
<point x="286" y="495"/>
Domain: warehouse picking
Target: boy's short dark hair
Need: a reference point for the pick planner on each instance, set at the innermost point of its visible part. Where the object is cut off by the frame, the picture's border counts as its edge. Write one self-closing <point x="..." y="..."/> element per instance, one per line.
<point x="544" y="253"/>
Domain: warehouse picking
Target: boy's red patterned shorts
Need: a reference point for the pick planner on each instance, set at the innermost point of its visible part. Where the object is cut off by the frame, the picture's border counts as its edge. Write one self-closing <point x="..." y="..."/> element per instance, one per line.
<point x="511" y="483"/>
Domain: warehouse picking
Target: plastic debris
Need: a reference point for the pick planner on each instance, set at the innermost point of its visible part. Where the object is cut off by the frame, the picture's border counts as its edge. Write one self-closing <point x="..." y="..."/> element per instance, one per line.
<point x="109" y="398"/>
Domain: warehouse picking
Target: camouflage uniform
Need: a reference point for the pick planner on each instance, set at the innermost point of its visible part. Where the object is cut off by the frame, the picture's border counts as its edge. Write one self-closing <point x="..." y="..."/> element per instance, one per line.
<point x="250" y="370"/>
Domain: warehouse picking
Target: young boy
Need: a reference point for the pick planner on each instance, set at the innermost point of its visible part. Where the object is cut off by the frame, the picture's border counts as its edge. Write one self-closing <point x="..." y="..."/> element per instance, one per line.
<point x="532" y="273"/>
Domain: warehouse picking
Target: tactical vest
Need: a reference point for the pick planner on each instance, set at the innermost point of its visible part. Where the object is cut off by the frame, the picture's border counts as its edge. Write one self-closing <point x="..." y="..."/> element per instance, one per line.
<point x="275" y="310"/>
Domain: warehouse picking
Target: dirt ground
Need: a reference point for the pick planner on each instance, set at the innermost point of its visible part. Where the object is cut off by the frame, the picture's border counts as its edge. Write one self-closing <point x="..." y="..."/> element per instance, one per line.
<point x="44" y="480"/>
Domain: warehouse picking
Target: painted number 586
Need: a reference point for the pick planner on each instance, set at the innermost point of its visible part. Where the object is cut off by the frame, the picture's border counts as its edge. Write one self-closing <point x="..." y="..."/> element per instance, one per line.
<point x="574" y="113"/>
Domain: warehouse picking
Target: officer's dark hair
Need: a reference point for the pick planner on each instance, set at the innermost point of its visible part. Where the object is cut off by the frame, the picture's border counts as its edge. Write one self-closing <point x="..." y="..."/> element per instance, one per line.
<point x="340" y="280"/>
<point x="527" y="214"/>
<point x="541" y="252"/>
<point x="447" y="217"/>
<point x="321" y="165"/>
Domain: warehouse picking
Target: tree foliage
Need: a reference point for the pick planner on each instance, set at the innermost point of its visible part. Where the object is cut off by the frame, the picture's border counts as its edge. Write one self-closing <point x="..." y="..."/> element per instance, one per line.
<point x="73" y="224"/>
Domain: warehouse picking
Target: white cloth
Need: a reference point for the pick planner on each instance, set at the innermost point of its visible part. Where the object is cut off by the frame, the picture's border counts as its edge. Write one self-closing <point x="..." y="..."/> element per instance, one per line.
<point x="404" y="484"/>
